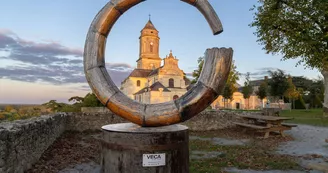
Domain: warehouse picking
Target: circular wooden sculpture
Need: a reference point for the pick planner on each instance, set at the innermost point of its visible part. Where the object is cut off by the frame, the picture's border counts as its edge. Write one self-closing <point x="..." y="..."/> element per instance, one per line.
<point x="211" y="81"/>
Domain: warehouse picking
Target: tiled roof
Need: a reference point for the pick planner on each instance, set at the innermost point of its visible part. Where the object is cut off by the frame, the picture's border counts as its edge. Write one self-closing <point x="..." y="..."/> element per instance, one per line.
<point x="154" y="72"/>
<point x="150" y="25"/>
<point x="140" y="73"/>
<point x="155" y="87"/>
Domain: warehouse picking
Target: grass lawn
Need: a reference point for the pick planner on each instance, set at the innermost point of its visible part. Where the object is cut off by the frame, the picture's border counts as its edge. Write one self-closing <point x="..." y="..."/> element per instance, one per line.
<point x="309" y="117"/>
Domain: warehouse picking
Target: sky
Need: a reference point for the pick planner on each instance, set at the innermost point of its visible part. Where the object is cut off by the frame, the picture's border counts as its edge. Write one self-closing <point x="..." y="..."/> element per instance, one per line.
<point x="42" y="41"/>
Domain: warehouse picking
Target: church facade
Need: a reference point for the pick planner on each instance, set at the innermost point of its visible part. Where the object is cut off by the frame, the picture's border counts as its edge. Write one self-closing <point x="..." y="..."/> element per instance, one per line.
<point x="151" y="82"/>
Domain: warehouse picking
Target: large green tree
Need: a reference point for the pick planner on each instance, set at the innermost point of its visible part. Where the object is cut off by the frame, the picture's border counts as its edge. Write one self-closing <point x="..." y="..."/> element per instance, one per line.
<point x="316" y="94"/>
<point x="247" y="89"/>
<point x="231" y="84"/>
<point x="227" y="93"/>
<point x="297" y="29"/>
<point x="76" y="99"/>
<point x="291" y="93"/>
<point x="278" y="84"/>
<point x="91" y="100"/>
<point x="262" y="92"/>
<point x="232" y="78"/>
<point x="302" y="82"/>
<point x="196" y="73"/>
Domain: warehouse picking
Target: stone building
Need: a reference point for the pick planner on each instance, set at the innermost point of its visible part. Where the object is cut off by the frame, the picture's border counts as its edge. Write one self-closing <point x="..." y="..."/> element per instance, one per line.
<point x="151" y="82"/>
<point x="239" y="102"/>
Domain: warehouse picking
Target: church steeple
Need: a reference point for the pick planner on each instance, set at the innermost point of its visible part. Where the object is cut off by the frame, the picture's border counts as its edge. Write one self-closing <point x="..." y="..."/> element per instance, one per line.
<point x="149" y="48"/>
<point x="149" y="25"/>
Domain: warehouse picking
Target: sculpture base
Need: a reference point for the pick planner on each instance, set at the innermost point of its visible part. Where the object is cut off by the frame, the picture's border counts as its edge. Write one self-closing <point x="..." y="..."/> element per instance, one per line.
<point x="129" y="148"/>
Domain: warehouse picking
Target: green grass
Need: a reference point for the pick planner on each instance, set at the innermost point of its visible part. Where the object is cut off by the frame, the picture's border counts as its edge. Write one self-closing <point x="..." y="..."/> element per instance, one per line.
<point x="310" y="117"/>
<point x="252" y="156"/>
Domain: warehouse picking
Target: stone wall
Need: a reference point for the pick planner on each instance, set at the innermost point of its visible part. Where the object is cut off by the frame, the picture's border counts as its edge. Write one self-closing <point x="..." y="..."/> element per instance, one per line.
<point x="91" y="121"/>
<point x="211" y="120"/>
<point x="215" y="120"/>
<point x="22" y="142"/>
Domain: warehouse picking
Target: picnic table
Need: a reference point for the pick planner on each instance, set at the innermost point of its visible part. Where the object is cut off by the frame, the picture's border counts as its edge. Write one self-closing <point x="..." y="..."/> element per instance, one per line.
<point x="266" y="124"/>
<point x="271" y="111"/>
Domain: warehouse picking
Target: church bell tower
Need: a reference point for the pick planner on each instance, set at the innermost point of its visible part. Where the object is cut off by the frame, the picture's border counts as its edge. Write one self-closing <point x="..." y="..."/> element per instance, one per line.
<point x="149" y="48"/>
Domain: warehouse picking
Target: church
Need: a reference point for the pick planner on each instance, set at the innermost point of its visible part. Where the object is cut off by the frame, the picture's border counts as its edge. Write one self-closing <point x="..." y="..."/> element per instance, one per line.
<point x="151" y="82"/>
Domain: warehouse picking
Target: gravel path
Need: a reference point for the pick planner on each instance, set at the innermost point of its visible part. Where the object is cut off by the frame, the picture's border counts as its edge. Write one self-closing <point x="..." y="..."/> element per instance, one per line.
<point x="235" y="170"/>
<point x="309" y="140"/>
<point x="309" y="145"/>
<point x="221" y="141"/>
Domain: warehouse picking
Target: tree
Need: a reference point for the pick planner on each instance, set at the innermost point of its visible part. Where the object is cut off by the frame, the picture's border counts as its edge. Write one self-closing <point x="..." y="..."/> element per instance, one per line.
<point x="196" y="73"/>
<point x="230" y="86"/>
<point x="297" y="29"/>
<point x="262" y="92"/>
<point x="227" y="93"/>
<point x="247" y="89"/>
<point x="54" y="106"/>
<point x="233" y="77"/>
<point x="316" y="94"/>
<point x="76" y="99"/>
<point x="291" y="93"/>
<point x="8" y="108"/>
<point x="90" y="100"/>
<point x="302" y="82"/>
<point x="299" y="103"/>
<point x="278" y="84"/>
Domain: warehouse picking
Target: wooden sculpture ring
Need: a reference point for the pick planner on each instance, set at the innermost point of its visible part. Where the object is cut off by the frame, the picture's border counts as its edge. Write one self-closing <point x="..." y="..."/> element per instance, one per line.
<point x="211" y="81"/>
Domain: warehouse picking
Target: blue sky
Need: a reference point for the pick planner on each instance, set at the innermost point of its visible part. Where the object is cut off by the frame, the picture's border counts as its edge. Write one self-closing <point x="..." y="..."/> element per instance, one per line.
<point x="41" y="43"/>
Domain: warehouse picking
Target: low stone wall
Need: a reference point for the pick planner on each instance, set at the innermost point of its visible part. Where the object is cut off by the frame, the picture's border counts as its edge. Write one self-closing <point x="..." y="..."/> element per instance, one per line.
<point x="87" y="121"/>
<point x="212" y="120"/>
<point x="22" y="142"/>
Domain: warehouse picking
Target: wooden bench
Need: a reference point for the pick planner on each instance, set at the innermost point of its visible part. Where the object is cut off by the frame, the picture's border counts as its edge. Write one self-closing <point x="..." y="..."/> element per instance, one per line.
<point x="267" y="130"/>
<point x="289" y="125"/>
<point x="251" y="126"/>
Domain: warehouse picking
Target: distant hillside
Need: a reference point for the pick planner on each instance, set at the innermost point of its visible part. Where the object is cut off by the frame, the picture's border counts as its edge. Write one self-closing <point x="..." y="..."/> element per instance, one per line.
<point x="17" y="106"/>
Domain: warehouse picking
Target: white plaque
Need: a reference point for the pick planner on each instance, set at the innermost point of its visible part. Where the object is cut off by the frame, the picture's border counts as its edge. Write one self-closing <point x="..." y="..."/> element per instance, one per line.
<point x="152" y="160"/>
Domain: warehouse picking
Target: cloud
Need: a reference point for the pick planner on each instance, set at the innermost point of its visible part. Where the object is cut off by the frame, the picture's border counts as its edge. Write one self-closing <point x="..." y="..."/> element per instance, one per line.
<point x="267" y="69"/>
<point x="259" y="73"/>
<point x="119" y="66"/>
<point x="49" y="62"/>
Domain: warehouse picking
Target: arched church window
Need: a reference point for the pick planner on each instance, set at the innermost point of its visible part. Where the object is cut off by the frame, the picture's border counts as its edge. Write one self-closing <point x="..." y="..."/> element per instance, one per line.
<point x="138" y="83"/>
<point x="175" y="97"/>
<point x="151" y="47"/>
<point x="171" y="83"/>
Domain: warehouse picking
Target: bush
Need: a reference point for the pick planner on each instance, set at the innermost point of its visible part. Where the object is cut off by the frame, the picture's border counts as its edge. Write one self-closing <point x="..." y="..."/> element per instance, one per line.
<point x="2" y="117"/>
<point x="300" y="104"/>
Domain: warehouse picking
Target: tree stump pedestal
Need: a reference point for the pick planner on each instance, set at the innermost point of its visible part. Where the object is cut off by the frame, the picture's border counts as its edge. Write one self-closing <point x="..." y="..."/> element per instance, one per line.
<point x="129" y="148"/>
